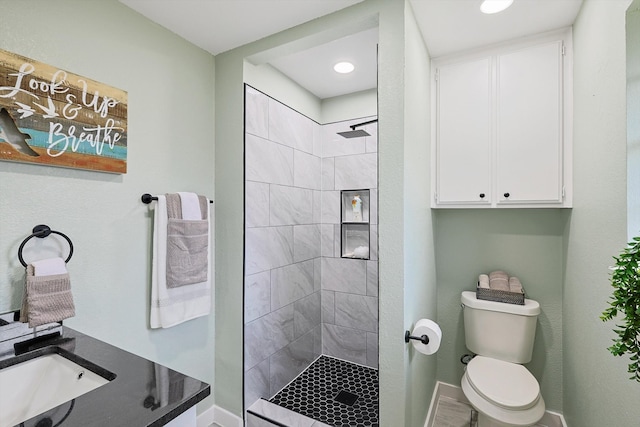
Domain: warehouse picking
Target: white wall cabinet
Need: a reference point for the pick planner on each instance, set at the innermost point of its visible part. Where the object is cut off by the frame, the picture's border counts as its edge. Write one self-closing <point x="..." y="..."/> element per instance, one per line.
<point x="502" y="127"/>
<point x="464" y="141"/>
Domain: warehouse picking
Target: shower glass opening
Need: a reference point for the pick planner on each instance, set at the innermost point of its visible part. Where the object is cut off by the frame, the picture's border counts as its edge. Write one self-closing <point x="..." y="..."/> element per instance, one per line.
<point x="310" y="312"/>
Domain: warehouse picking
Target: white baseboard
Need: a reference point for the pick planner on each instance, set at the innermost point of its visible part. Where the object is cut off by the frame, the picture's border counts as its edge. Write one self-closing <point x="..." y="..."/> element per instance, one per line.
<point x="432" y="406"/>
<point x="553" y="419"/>
<point x="550" y="418"/>
<point x="205" y="419"/>
<point x="218" y="415"/>
<point x="442" y="389"/>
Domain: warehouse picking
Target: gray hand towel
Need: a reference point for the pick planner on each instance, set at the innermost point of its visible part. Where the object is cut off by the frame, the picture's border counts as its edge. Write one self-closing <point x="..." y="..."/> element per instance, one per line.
<point x="187" y="244"/>
<point x="515" y="285"/>
<point x="46" y="299"/>
<point x="499" y="280"/>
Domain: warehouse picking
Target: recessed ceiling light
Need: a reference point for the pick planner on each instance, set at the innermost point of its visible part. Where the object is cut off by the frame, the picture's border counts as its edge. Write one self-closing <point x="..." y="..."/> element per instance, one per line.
<point x="494" y="6"/>
<point x="343" y="67"/>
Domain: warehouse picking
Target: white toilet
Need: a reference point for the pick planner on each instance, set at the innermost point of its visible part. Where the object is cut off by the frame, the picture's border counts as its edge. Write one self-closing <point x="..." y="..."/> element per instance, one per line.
<point x="504" y="392"/>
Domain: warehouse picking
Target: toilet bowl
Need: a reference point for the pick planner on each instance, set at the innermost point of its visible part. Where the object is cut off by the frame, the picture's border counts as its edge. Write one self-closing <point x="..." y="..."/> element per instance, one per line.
<point x="504" y="394"/>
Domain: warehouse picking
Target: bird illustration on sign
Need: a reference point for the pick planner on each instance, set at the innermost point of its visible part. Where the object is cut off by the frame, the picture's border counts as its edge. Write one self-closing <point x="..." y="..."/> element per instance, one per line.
<point x="10" y="133"/>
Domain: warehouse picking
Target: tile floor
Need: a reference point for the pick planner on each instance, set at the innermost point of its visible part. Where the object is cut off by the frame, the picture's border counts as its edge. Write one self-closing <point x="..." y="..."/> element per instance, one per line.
<point x="452" y="413"/>
<point x="335" y="392"/>
<point x="449" y="413"/>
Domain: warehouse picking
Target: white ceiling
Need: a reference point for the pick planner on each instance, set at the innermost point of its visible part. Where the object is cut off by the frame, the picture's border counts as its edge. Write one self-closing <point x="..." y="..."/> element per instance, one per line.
<point x="447" y="26"/>
<point x="220" y="25"/>
<point x="455" y="25"/>
<point x="313" y="68"/>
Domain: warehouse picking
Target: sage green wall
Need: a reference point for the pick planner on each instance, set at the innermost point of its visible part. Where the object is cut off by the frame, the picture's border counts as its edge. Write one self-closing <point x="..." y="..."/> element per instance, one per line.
<point x="275" y="84"/>
<point x="272" y="82"/>
<point x="527" y="243"/>
<point x="347" y="107"/>
<point x="393" y="201"/>
<point x="419" y="250"/>
<point x="633" y="120"/>
<point x="229" y="211"/>
<point x="170" y="128"/>
<point x="596" y="388"/>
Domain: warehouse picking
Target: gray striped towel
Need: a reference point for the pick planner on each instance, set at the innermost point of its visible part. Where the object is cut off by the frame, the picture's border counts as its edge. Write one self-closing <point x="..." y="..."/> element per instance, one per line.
<point x="187" y="244"/>
<point x="46" y="299"/>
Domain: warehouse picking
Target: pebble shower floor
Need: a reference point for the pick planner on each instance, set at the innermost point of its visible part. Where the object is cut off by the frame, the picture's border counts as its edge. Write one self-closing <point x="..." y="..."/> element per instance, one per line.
<point x="335" y="392"/>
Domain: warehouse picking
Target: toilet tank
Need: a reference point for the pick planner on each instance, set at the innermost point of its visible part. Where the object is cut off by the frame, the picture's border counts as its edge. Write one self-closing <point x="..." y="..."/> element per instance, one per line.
<point x="500" y="330"/>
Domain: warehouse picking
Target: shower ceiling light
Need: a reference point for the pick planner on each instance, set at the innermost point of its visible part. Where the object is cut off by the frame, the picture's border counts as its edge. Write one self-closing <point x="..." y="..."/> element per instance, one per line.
<point x="343" y="67"/>
<point x="494" y="6"/>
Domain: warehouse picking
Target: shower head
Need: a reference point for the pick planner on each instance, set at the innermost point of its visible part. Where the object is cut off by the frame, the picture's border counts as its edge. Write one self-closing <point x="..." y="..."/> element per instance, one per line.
<point x="353" y="133"/>
<point x="356" y="133"/>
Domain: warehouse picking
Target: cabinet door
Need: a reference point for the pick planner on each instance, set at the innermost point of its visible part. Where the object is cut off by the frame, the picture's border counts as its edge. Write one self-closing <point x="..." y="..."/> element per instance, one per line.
<point x="529" y="125"/>
<point x="463" y="138"/>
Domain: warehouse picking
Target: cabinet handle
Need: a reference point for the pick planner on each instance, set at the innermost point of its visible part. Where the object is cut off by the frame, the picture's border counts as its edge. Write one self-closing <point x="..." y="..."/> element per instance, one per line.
<point x="506" y="195"/>
<point x="482" y="195"/>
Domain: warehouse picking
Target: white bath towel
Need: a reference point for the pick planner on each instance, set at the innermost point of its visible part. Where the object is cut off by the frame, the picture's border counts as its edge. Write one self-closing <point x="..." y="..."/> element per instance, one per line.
<point x="190" y="206"/>
<point x="49" y="267"/>
<point x="172" y="306"/>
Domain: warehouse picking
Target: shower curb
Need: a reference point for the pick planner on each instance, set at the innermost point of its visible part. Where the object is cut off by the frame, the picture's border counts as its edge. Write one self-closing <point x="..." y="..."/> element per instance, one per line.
<point x="275" y="415"/>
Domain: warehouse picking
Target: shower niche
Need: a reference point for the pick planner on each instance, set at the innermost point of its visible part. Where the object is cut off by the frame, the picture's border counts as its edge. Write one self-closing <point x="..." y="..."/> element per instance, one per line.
<point x="354" y="224"/>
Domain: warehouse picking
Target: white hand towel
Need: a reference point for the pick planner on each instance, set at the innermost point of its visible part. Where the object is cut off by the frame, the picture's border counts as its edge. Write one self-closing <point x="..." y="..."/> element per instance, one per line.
<point x="483" y="281"/>
<point x="49" y="267"/>
<point x="190" y="206"/>
<point x="172" y="306"/>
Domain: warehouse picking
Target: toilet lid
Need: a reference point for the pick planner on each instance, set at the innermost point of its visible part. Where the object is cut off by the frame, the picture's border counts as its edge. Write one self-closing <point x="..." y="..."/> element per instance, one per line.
<point x="505" y="384"/>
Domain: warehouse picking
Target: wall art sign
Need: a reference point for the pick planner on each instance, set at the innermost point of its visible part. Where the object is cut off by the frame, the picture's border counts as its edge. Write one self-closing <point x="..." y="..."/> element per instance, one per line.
<point x="53" y="117"/>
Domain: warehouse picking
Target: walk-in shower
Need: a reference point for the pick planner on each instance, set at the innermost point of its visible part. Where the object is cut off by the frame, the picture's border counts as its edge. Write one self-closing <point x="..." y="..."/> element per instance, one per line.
<point x="310" y="311"/>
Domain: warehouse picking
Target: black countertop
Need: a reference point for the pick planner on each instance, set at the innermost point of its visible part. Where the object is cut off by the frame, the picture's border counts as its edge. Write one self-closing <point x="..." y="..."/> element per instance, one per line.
<point x="143" y="393"/>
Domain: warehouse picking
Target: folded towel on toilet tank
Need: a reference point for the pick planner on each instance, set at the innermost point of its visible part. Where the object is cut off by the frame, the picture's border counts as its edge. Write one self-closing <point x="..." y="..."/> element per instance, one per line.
<point x="515" y="285"/>
<point x="483" y="281"/>
<point x="499" y="280"/>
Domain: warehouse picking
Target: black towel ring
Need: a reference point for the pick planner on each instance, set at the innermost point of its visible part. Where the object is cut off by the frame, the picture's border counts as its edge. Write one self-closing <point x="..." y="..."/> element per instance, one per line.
<point x="41" y="231"/>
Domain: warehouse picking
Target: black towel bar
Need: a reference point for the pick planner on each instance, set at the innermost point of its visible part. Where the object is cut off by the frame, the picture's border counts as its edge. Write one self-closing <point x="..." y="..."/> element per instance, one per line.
<point x="148" y="198"/>
<point x="41" y="231"/>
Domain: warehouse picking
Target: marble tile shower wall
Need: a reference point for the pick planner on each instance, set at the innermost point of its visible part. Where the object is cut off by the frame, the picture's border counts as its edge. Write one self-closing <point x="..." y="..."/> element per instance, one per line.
<point x="349" y="286"/>
<point x="282" y="313"/>
<point x="301" y="298"/>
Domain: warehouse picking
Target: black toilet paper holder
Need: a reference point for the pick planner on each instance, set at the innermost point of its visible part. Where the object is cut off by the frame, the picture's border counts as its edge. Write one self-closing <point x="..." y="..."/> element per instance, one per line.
<point x="424" y="339"/>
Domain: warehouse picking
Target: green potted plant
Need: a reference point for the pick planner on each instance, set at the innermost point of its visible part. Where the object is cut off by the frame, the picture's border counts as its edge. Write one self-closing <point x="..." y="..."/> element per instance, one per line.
<point x="625" y="279"/>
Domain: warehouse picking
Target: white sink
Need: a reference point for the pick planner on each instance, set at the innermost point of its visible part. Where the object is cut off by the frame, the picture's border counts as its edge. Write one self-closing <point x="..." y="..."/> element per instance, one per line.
<point x="40" y="384"/>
